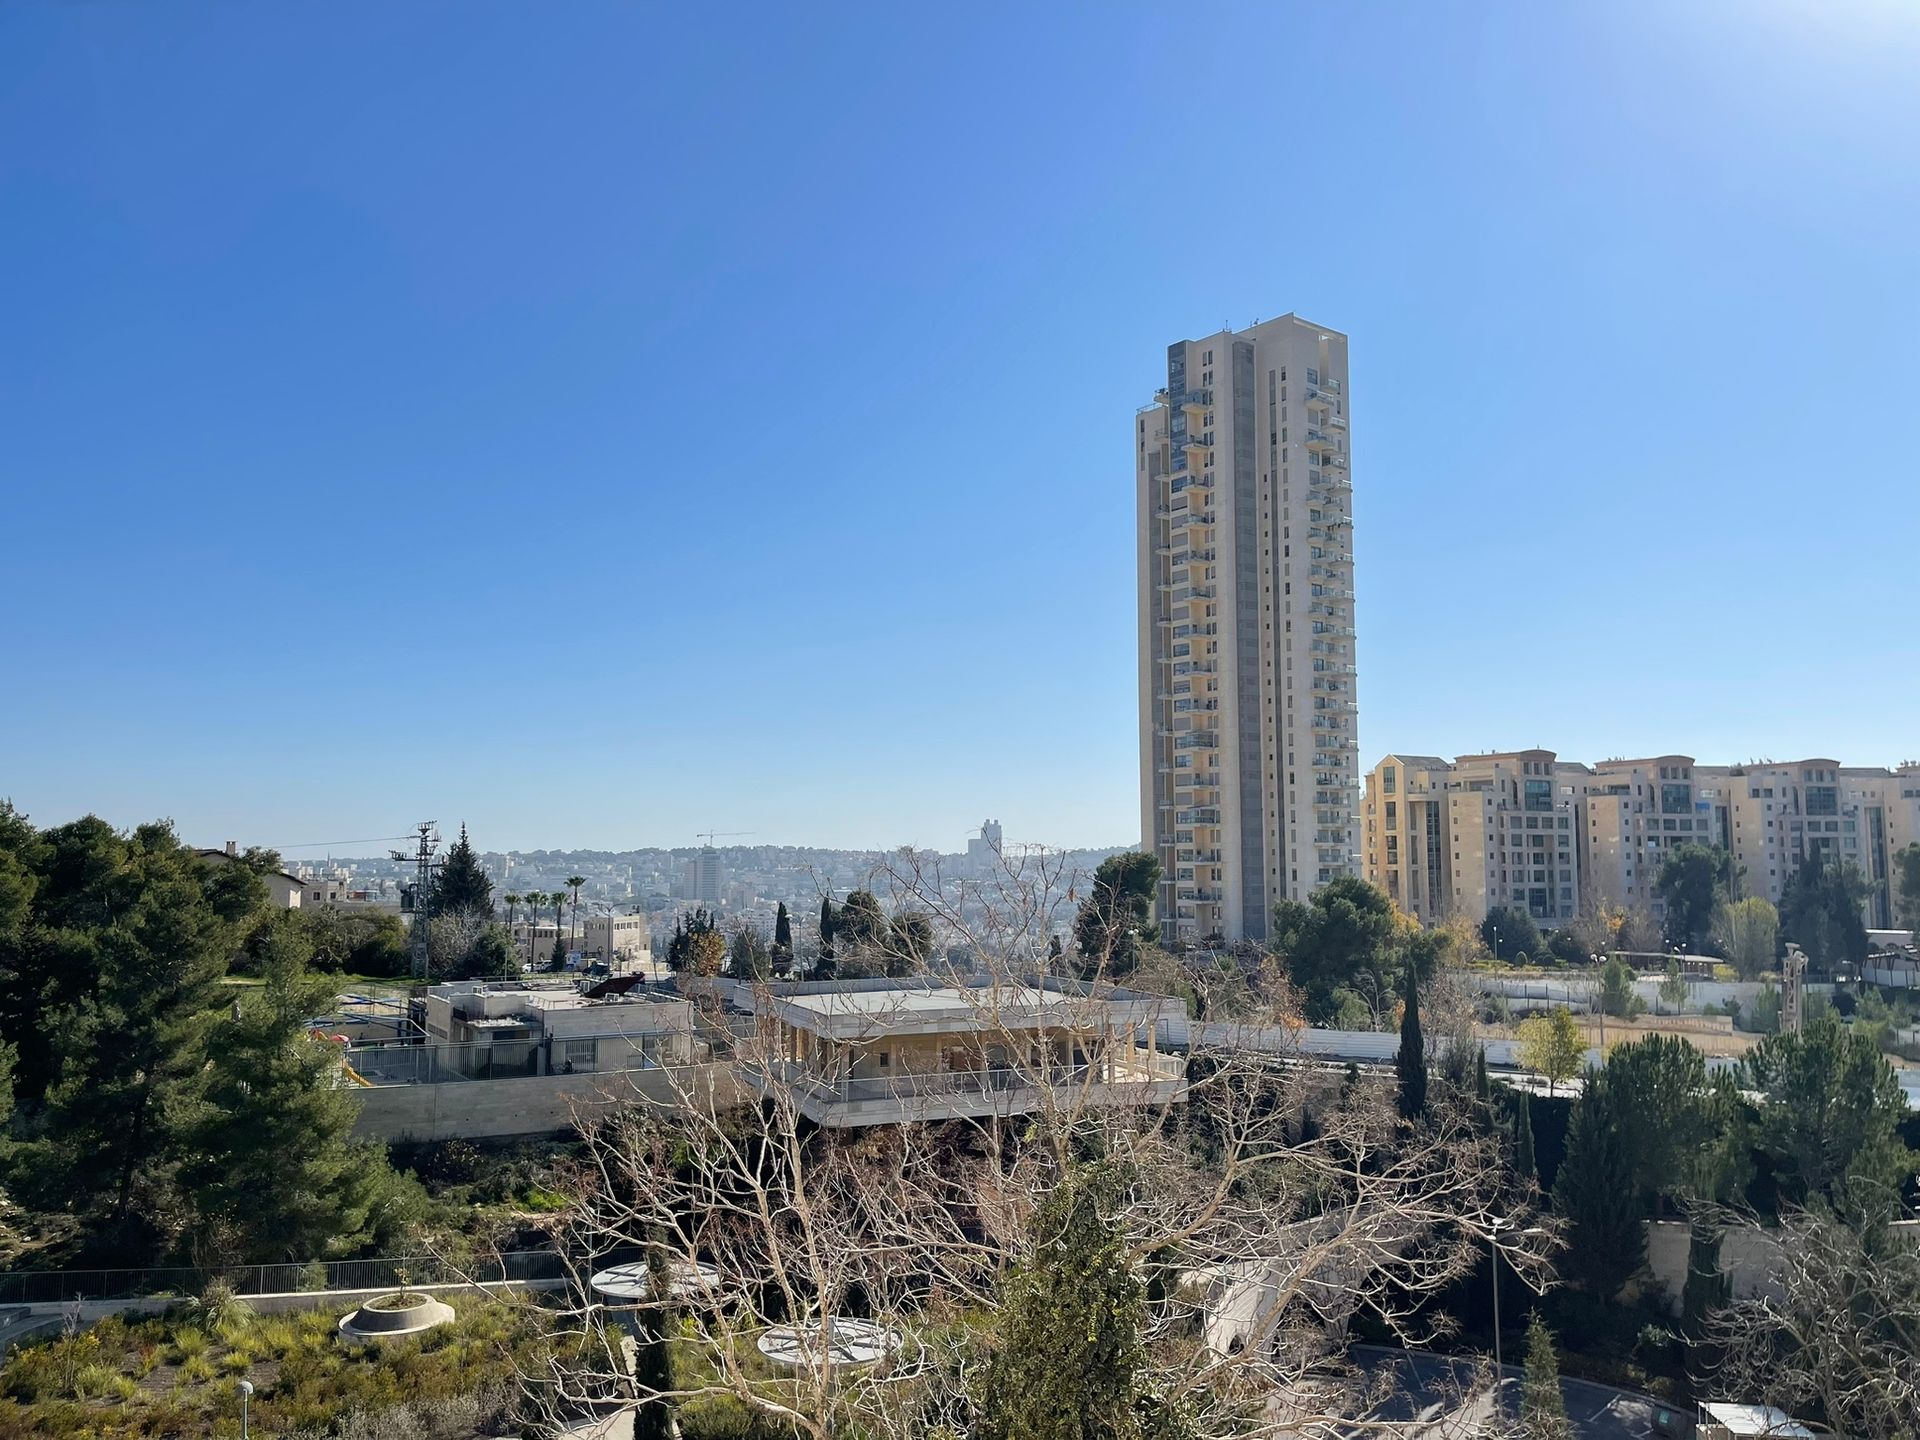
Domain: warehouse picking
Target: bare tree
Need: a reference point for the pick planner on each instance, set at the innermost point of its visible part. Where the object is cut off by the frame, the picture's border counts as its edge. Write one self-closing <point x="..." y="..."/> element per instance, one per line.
<point x="1838" y="1328"/>
<point x="1272" y="1199"/>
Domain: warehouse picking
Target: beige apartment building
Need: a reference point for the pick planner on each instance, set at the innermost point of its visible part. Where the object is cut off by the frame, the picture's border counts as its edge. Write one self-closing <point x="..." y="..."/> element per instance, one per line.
<point x="1529" y="830"/>
<point x="1248" y="758"/>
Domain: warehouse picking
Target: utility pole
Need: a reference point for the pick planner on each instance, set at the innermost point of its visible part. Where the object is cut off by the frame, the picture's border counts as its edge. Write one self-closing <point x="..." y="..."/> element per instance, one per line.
<point x="426" y="859"/>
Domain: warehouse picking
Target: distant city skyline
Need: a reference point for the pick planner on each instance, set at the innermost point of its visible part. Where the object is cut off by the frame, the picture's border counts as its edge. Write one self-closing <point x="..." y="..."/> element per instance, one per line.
<point x="607" y="425"/>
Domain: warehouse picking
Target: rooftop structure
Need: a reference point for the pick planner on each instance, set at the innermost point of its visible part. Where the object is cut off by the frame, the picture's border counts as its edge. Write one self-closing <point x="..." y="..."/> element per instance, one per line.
<point x="881" y="1052"/>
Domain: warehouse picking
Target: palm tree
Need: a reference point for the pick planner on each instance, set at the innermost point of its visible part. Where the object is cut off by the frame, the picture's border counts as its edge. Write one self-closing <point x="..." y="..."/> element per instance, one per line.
<point x="574" y="882"/>
<point x="513" y="901"/>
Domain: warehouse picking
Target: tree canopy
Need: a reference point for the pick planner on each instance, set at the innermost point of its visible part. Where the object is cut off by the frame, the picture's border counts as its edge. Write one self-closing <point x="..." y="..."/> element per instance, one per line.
<point x="1551" y="1046"/>
<point x="1829" y="1123"/>
<point x="1749" y="931"/>
<point x="460" y="886"/>
<point x="1346" y="941"/>
<point x="1115" y="922"/>
<point x="1071" y="1343"/>
<point x="1509" y="932"/>
<point x="1820" y="910"/>
<point x="1606" y="1239"/>
<point x="153" y="1106"/>
<point x="1692" y="881"/>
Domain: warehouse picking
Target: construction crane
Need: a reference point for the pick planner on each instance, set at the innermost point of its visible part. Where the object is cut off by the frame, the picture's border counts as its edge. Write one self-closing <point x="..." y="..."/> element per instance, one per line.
<point x="709" y="834"/>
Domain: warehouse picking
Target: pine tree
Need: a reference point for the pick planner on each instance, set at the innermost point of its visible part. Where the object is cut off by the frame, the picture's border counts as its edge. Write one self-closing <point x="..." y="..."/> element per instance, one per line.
<point x="274" y="1171"/>
<point x="461" y="887"/>
<point x="1411" y="1063"/>
<point x="1524" y="1166"/>
<point x="1606" y="1241"/>
<point x="1543" y="1410"/>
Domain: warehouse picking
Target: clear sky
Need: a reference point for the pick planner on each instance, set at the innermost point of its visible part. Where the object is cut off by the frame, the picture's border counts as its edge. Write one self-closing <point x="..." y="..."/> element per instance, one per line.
<point x="601" y="422"/>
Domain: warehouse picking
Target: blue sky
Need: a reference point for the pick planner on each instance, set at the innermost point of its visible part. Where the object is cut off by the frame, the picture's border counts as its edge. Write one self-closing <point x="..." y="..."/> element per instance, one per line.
<point x="602" y="422"/>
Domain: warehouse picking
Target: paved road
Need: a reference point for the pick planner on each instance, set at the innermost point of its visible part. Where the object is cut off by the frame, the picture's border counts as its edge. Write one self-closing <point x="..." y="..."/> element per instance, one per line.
<point x="1432" y="1384"/>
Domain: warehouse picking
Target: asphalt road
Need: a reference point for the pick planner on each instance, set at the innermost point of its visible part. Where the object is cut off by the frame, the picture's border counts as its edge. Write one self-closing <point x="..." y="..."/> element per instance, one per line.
<point x="1431" y="1384"/>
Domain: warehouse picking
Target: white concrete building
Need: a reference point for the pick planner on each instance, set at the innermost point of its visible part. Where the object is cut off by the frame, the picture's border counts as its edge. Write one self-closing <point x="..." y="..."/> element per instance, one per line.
<point x="1249" y="769"/>
<point x="883" y="1052"/>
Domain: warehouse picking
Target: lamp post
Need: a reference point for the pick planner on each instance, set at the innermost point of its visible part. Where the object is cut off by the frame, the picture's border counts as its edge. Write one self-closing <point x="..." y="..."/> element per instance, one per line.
<point x="1496" y="944"/>
<point x="246" y="1394"/>
<point x="1600" y="1004"/>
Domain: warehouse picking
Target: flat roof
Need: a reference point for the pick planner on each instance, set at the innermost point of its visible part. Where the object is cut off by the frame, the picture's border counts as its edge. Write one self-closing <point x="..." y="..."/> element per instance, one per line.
<point x="1756" y="1420"/>
<point x="945" y="1000"/>
<point x="864" y="1009"/>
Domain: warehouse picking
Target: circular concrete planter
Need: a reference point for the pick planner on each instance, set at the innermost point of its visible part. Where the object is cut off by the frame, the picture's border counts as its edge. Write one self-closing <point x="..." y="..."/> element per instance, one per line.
<point x="394" y="1317"/>
<point x="848" y="1344"/>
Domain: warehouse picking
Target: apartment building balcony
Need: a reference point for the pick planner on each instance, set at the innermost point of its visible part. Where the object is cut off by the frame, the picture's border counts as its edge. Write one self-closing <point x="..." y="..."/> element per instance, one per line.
<point x="1207" y="816"/>
<point x="1319" y="440"/>
<point x="1197" y="895"/>
<point x="1183" y="707"/>
<point x="1185" y="629"/>
<point x="1201" y="857"/>
<point x="1197" y="740"/>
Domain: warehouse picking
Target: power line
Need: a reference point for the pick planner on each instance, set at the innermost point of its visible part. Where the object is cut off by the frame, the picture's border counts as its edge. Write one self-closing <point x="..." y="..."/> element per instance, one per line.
<point x="329" y="844"/>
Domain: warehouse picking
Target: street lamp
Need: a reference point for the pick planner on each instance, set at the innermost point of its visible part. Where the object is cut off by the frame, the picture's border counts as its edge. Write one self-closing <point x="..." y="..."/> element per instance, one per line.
<point x="1499" y="1225"/>
<point x="246" y="1394"/>
<point x="1600" y="1004"/>
<point x="1496" y="944"/>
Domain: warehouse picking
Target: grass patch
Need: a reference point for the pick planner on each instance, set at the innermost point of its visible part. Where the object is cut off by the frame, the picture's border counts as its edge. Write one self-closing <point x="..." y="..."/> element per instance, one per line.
<point x="87" y="1384"/>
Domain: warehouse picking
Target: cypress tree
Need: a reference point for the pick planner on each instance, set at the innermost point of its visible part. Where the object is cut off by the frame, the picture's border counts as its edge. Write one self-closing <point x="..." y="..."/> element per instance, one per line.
<point x="782" y="931"/>
<point x="1072" y="1328"/>
<point x="1411" y="1063"/>
<point x="1543" y="1410"/>
<point x="653" y="1358"/>
<point x="1482" y="1086"/>
<point x="1524" y="1166"/>
<point x="824" y="968"/>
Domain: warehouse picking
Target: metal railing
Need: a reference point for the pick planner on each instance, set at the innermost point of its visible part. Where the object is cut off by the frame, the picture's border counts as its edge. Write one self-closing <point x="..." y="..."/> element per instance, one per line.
<point x="1134" y="1070"/>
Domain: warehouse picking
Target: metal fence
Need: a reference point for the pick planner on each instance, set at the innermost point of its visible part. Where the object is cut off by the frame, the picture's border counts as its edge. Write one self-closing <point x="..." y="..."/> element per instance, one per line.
<point x="40" y="1287"/>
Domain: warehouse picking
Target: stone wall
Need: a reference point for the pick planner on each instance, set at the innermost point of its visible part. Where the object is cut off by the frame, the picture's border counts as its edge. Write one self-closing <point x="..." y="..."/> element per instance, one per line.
<point x="1748" y="1259"/>
<point x="528" y="1104"/>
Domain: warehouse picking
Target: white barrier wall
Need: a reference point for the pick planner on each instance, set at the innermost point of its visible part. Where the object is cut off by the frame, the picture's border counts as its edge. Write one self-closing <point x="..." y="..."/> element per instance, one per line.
<point x="530" y="1105"/>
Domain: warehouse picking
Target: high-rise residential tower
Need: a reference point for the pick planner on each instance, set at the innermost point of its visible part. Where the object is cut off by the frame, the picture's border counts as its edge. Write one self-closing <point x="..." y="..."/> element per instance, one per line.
<point x="1248" y="761"/>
